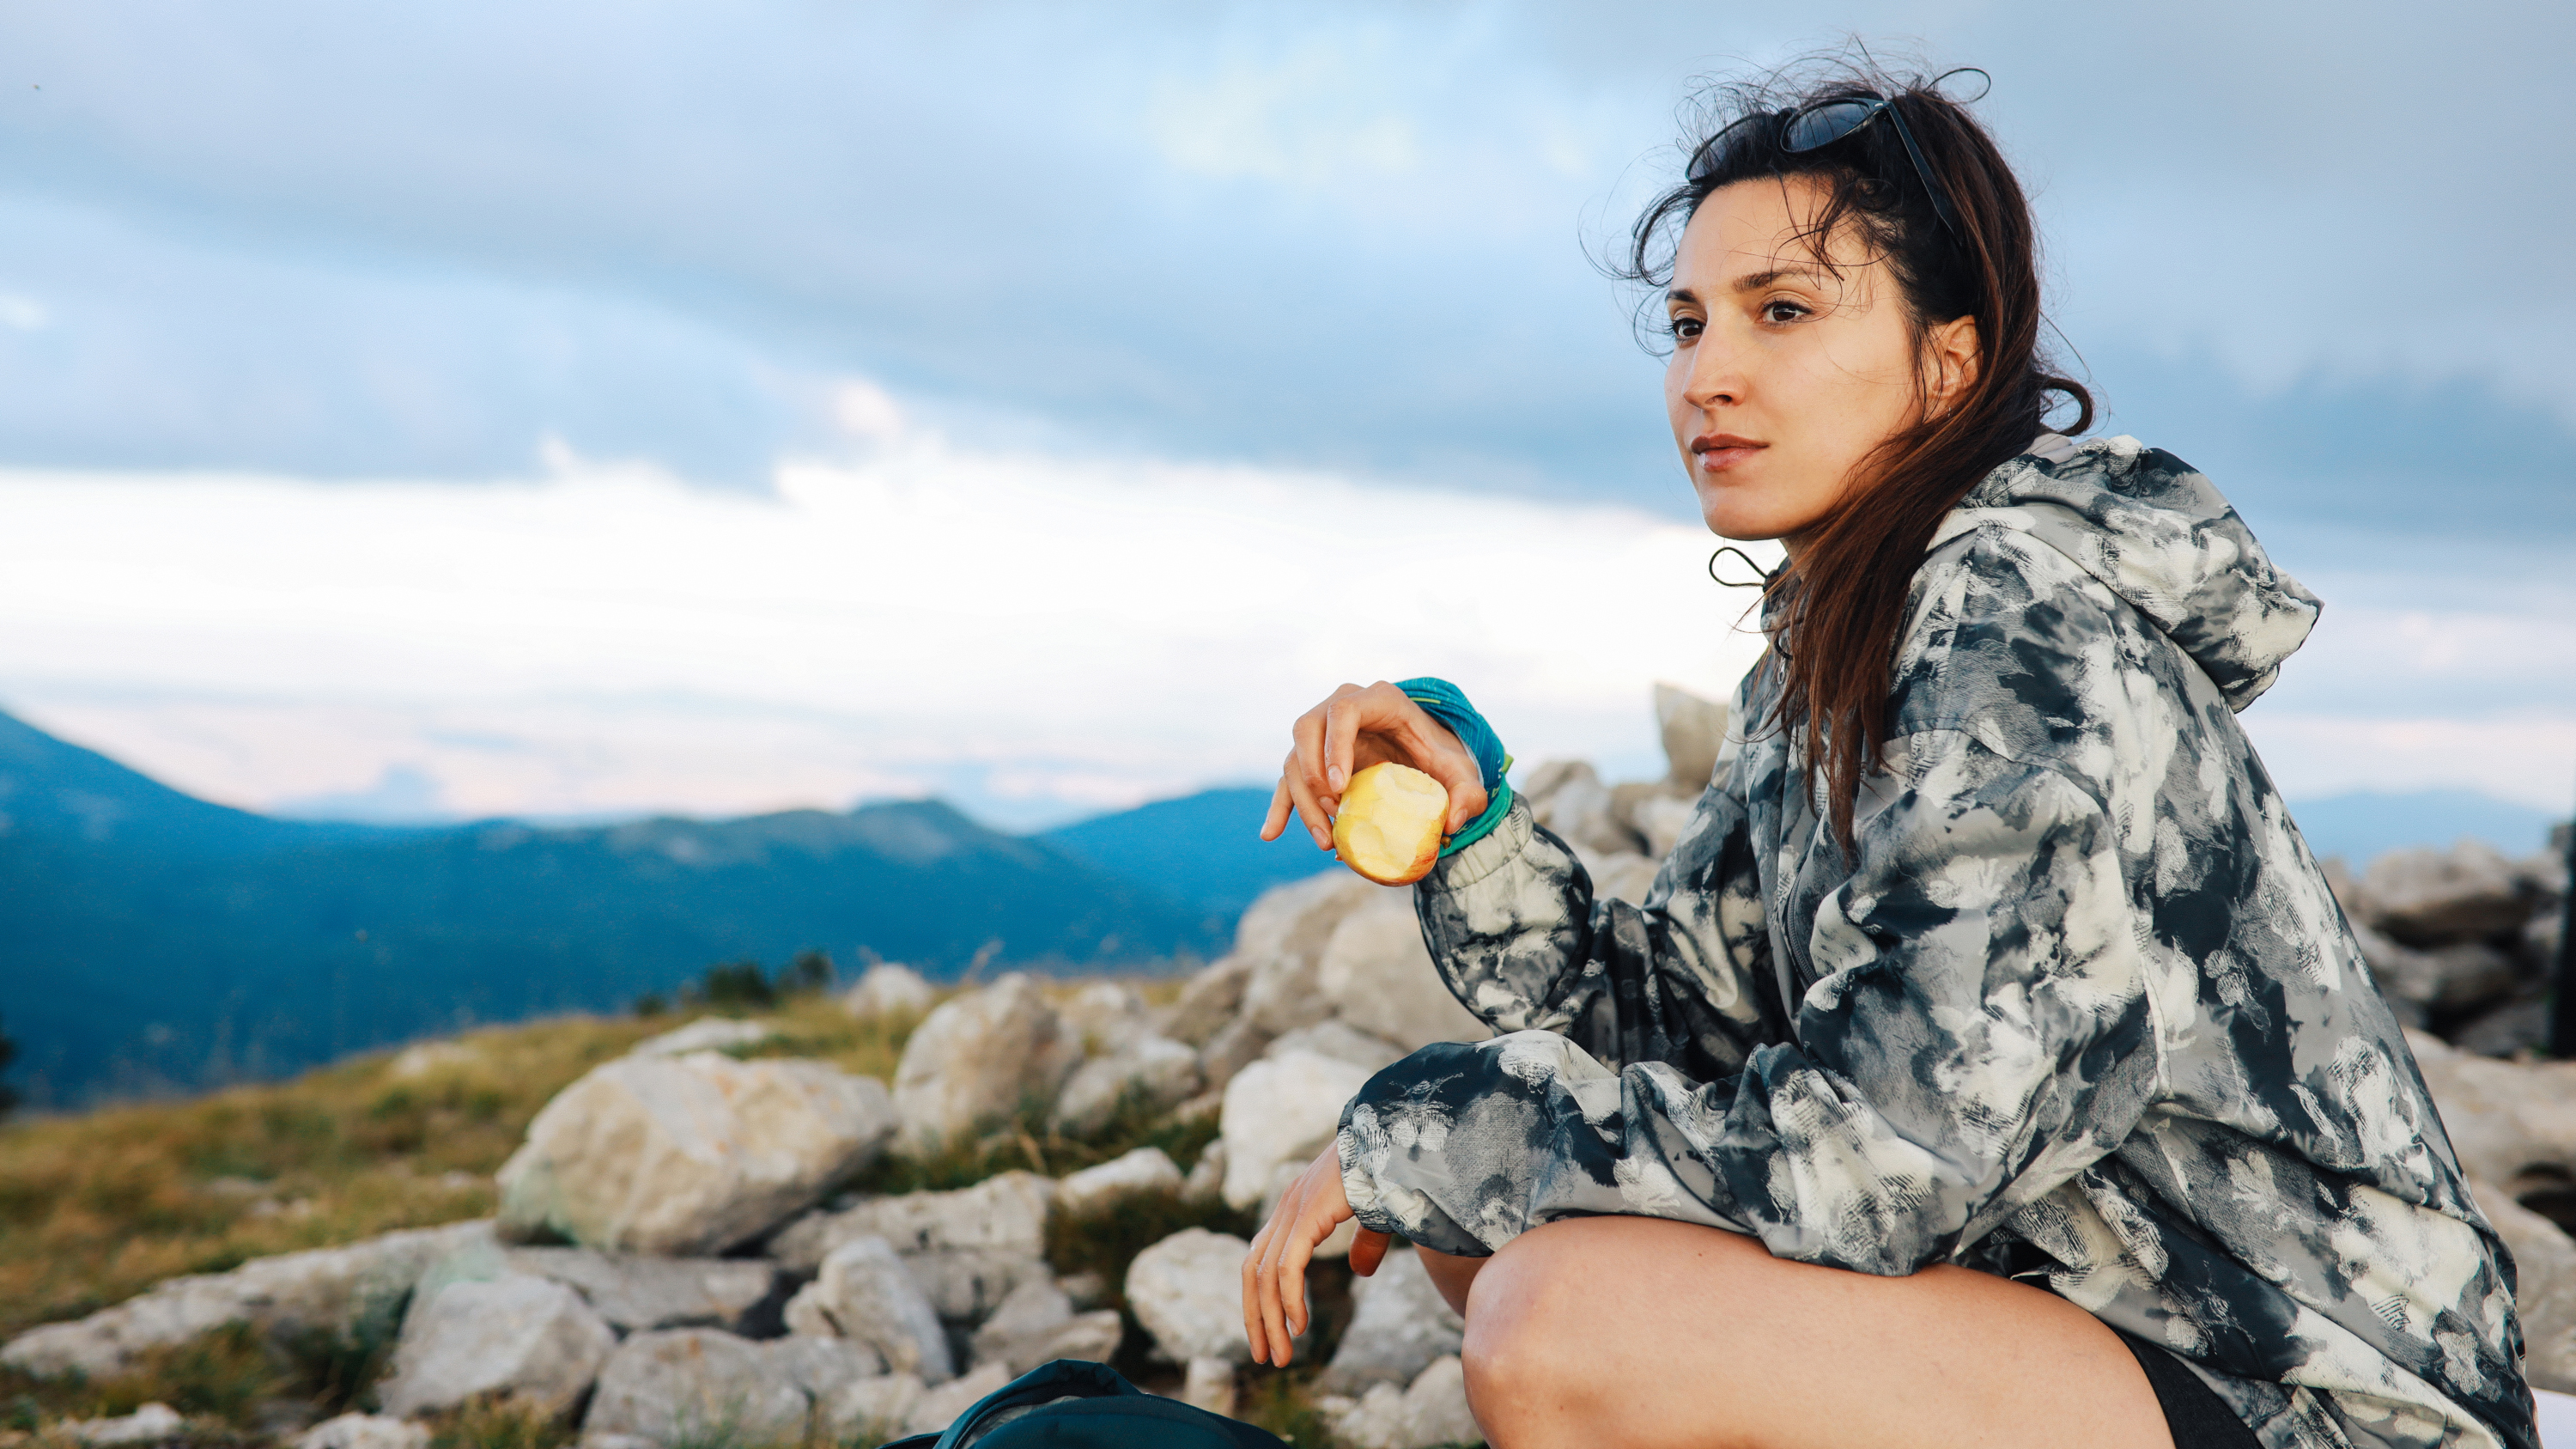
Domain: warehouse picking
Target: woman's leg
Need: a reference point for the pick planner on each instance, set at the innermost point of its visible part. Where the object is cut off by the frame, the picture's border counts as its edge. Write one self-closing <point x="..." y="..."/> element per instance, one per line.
<point x="1452" y="1276"/>
<point x="1647" y="1333"/>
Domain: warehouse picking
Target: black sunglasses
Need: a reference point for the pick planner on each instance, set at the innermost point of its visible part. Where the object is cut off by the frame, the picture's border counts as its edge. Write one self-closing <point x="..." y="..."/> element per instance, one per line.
<point x="1826" y="122"/>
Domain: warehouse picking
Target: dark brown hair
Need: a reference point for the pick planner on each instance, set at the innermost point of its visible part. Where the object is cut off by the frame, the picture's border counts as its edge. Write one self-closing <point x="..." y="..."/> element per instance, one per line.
<point x="1836" y="613"/>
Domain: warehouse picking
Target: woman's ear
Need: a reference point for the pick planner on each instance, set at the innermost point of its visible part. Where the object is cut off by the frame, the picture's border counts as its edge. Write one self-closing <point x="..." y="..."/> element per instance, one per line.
<point x="1950" y="361"/>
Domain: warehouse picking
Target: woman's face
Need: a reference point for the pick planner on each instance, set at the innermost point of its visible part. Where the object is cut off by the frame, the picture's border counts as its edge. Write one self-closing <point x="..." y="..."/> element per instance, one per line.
<point x="1785" y="375"/>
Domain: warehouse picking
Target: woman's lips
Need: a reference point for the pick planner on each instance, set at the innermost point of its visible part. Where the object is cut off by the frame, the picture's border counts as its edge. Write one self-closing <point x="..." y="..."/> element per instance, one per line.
<point x="1717" y="452"/>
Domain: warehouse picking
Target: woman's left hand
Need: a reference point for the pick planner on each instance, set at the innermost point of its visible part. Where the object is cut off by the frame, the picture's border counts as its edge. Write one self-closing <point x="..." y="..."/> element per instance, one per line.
<point x="1274" y="1272"/>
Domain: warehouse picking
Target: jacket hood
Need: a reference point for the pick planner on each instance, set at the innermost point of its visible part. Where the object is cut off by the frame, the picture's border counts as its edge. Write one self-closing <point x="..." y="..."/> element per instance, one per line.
<point x="2157" y="534"/>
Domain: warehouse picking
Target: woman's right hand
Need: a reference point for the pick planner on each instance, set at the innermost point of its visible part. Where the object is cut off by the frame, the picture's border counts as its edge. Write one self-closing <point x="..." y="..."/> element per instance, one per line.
<point x="1353" y="729"/>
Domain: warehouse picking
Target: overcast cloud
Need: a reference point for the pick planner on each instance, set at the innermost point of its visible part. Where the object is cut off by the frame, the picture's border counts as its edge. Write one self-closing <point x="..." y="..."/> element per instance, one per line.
<point x="2314" y="249"/>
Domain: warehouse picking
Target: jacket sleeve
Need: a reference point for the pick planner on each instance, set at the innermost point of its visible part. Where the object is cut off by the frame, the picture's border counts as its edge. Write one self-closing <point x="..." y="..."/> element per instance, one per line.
<point x="1978" y="1031"/>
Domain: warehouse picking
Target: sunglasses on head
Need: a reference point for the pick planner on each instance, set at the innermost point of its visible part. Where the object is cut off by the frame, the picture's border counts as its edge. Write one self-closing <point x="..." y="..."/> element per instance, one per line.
<point x="1812" y="128"/>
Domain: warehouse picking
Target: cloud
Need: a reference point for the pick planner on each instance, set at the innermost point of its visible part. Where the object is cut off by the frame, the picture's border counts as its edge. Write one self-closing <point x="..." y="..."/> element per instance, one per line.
<point x="1340" y="237"/>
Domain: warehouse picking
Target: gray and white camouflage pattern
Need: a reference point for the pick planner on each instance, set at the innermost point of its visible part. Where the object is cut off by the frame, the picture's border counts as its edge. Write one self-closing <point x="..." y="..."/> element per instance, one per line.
<point x="2078" y="1008"/>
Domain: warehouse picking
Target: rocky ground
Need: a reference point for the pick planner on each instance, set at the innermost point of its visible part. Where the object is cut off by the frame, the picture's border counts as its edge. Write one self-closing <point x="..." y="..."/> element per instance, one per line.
<point x="702" y="1242"/>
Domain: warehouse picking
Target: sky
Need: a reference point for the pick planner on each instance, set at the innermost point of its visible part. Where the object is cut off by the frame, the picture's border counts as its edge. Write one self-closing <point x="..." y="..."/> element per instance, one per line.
<point x="575" y="409"/>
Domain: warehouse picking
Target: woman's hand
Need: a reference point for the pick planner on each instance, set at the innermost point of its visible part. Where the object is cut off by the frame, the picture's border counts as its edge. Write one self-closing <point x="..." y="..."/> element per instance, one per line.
<point x="1357" y="728"/>
<point x="1274" y="1272"/>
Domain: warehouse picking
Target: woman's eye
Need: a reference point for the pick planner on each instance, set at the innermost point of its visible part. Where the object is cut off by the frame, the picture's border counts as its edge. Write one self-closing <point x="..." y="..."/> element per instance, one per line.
<point x="1781" y="311"/>
<point x="1685" y="329"/>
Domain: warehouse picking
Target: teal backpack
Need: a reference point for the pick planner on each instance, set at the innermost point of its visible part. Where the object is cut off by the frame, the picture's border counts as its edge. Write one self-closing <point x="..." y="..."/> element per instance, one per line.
<point x="1072" y="1404"/>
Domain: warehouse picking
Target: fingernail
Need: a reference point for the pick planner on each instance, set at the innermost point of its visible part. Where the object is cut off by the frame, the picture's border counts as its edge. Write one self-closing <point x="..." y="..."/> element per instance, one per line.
<point x="1322" y="841"/>
<point x="1340" y="779"/>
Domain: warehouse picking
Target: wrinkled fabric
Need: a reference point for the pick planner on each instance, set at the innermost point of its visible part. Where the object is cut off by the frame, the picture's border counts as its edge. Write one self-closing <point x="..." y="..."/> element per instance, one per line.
<point x="2076" y="1008"/>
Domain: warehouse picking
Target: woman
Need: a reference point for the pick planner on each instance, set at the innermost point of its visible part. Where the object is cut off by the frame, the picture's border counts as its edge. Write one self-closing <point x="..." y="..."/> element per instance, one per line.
<point x="1990" y="1063"/>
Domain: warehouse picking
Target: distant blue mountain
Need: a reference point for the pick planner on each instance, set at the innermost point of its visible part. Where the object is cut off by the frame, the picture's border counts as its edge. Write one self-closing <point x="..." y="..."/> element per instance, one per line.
<point x="152" y="942"/>
<point x="1204" y="849"/>
<point x="2367" y="823"/>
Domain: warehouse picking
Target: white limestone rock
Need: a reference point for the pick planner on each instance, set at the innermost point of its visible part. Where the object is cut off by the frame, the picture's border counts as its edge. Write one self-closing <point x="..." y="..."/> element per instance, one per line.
<point x="2503" y="1118"/>
<point x="1283" y="935"/>
<point x="1693" y="730"/>
<point x="1206" y="1181"/>
<point x="1187" y="1291"/>
<point x="326" y="1290"/>
<point x="689" y="1155"/>
<point x="865" y="1293"/>
<point x="703" y="1385"/>
<point x="936" y="1409"/>
<point x="1207" y="1002"/>
<point x="1432" y="1411"/>
<point x="1281" y="1110"/>
<point x="364" y="1431"/>
<point x="1103" y="1017"/>
<point x="1037" y="1324"/>
<point x="1662" y="820"/>
<point x="978" y="1061"/>
<point x="1567" y="797"/>
<point x="968" y="1249"/>
<point x="872" y="1411"/>
<point x="1379" y="978"/>
<point x="1400" y="1325"/>
<point x="520" y="1338"/>
<point x="889" y="990"/>
<point x="706" y="1034"/>
<point x="1158" y="1072"/>
<point x="2426" y="897"/>
<point x="1208" y="1383"/>
<point x="149" y="1424"/>
<point x="2544" y="1298"/>
<point x="1147" y="1169"/>
<point x="1341" y="1041"/>
<point x="636" y="1293"/>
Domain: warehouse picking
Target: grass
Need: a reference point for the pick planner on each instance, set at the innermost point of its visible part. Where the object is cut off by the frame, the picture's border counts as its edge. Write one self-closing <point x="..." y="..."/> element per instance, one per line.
<point x="98" y="1207"/>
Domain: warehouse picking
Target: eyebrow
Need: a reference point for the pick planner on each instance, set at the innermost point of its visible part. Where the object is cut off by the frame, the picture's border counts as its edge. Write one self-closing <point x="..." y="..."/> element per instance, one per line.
<point x="1752" y="282"/>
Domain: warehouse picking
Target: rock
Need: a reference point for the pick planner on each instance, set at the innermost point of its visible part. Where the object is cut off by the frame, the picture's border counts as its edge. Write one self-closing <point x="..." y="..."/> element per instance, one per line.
<point x="1187" y="1291"/>
<point x="968" y="1249"/>
<point x="689" y="1155"/>
<point x="1037" y="1324"/>
<point x="1281" y="1110"/>
<point x="1147" y="1169"/>
<point x="979" y="1060"/>
<point x="1086" y="1290"/>
<point x="149" y="1424"/>
<point x="872" y="1411"/>
<point x="2508" y="1030"/>
<point x="2504" y="1119"/>
<point x="867" y="1295"/>
<point x="1378" y="976"/>
<point x="1103" y="1017"/>
<point x="1154" y="1072"/>
<point x="1207" y="1177"/>
<point x="2544" y="1259"/>
<point x="706" y="1034"/>
<point x="1662" y="821"/>
<point x="364" y="1431"/>
<point x="704" y="1386"/>
<point x="1284" y="936"/>
<point x="2472" y="974"/>
<point x="1569" y="799"/>
<point x="1208" y="1383"/>
<point x="1238" y="1045"/>
<point x="889" y="990"/>
<point x="1342" y="1042"/>
<point x="638" y="1293"/>
<point x="1433" y="1411"/>
<point x="2410" y="979"/>
<point x="520" y="1338"/>
<point x="430" y="1058"/>
<point x="1400" y="1325"/>
<point x="935" y="1410"/>
<point x="1693" y="730"/>
<point x="1207" y="1002"/>
<point x="2425" y="897"/>
<point x="328" y="1290"/>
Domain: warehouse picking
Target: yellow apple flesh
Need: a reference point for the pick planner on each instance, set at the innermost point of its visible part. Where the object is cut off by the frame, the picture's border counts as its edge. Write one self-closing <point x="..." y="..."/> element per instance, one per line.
<point x="1389" y="828"/>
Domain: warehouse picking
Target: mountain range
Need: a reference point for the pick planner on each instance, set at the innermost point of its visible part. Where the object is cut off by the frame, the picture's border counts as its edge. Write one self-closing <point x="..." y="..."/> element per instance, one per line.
<point x="153" y="942"/>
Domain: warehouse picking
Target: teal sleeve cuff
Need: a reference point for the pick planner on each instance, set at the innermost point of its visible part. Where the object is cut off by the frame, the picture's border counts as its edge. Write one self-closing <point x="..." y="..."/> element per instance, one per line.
<point x="1448" y="704"/>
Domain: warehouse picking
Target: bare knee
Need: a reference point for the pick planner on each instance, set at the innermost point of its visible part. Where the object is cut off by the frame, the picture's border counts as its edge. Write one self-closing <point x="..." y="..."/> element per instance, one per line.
<point x="1528" y="1324"/>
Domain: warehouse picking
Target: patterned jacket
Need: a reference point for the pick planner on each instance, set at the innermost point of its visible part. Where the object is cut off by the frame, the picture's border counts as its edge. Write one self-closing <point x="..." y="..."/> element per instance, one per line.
<point x="2077" y="1008"/>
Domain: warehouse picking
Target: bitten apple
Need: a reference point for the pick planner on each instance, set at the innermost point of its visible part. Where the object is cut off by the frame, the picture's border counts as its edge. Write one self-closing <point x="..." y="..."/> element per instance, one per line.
<point x="1389" y="828"/>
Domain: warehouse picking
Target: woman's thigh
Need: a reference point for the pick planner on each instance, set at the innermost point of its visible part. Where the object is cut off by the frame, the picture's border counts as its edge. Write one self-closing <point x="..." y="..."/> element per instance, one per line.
<point x="1642" y="1332"/>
